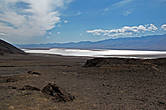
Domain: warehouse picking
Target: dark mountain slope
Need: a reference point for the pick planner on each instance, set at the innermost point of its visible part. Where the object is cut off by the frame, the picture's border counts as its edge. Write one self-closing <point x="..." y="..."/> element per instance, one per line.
<point x="6" y="48"/>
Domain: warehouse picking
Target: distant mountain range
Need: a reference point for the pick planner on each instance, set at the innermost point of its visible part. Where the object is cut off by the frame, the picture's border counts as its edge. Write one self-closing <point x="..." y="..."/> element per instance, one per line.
<point x="153" y="42"/>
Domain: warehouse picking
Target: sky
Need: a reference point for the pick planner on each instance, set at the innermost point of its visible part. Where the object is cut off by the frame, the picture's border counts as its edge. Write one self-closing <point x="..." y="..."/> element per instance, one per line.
<point x="49" y="21"/>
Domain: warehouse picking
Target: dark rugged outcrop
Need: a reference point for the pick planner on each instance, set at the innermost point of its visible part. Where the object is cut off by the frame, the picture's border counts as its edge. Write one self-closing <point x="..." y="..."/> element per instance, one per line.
<point x="98" y="62"/>
<point x="6" y="48"/>
<point x="57" y="93"/>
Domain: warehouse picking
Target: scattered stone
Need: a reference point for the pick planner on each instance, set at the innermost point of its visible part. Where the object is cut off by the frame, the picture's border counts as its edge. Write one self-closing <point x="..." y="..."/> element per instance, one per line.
<point x="7" y="80"/>
<point x="31" y="88"/>
<point x="12" y="87"/>
<point x="57" y="94"/>
<point x="161" y="103"/>
<point x="11" y="80"/>
<point x="33" y="73"/>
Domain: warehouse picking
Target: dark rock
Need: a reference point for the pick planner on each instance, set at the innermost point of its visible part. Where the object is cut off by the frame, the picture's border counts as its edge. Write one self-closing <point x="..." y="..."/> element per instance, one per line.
<point x="31" y="88"/>
<point x="33" y="73"/>
<point x="57" y="94"/>
<point x="161" y="103"/>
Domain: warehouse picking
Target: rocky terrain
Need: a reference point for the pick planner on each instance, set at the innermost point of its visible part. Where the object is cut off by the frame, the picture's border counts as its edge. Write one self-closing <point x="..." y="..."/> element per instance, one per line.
<point x="50" y="82"/>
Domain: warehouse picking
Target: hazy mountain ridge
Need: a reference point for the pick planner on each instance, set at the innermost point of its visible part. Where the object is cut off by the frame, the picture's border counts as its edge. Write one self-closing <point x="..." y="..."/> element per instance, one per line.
<point x="138" y="43"/>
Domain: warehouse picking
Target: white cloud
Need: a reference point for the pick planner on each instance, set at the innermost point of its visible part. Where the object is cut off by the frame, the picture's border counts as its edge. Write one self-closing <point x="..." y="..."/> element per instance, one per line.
<point x="124" y="31"/>
<point x="128" y="12"/>
<point x="78" y="13"/>
<point x="151" y="27"/>
<point x="34" y="18"/>
<point x="106" y="9"/>
<point x="163" y="27"/>
<point x="122" y="3"/>
<point x="66" y="21"/>
<point x="58" y="33"/>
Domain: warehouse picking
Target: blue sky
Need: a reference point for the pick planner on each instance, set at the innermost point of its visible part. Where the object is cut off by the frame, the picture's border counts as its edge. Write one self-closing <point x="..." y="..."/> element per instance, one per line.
<point x="48" y="21"/>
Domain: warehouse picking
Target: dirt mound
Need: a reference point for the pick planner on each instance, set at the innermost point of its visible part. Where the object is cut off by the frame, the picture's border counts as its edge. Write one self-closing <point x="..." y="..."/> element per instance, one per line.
<point x="56" y="93"/>
<point x="6" y="48"/>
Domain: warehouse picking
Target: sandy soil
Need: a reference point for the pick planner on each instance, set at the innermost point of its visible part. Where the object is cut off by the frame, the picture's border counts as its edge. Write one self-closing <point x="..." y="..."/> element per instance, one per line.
<point x="107" y="84"/>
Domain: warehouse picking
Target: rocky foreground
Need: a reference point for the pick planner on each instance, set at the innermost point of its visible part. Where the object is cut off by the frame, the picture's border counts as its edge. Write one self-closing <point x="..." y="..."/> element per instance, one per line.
<point x="49" y="82"/>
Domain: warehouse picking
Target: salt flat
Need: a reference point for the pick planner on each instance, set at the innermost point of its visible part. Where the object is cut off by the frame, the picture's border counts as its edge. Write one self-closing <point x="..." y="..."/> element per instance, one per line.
<point x="101" y="53"/>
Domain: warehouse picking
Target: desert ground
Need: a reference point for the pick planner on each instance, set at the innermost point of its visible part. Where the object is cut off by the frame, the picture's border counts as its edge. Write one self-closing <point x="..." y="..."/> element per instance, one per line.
<point x="91" y="84"/>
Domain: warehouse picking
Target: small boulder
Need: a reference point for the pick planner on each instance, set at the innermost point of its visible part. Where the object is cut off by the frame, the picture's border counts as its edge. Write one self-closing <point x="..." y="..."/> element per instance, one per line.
<point x="33" y="73"/>
<point x="56" y="93"/>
